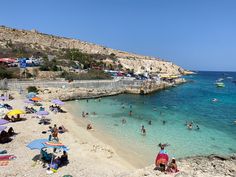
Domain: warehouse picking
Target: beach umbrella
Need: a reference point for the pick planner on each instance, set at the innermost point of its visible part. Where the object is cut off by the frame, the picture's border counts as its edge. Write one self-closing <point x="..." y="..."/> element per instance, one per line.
<point x="42" y="113"/>
<point x="29" y="102"/>
<point x="2" y="128"/>
<point x="58" y="102"/>
<point x="31" y="95"/>
<point x="37" y="144"/>
<point x="3" y="121"/>
<point x="3" y="98"/>
<point x="36" y="99"/>
<point x="44" y="143"/>
<point x="15" y="112"/>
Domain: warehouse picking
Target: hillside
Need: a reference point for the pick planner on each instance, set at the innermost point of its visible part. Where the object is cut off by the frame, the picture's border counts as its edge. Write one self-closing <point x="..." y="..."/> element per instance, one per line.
<point x="14" y="43"/>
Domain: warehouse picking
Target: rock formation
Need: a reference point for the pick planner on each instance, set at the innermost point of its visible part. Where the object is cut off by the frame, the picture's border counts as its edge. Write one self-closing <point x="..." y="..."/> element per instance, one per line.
<point x="44" y="42"/>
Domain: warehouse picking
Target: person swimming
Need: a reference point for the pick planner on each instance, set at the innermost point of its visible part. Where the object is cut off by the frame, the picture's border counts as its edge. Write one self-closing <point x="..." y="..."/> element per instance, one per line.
<point x="149" y="122"/>
<point x="190" y="126"/>
<point x="163" y="122"/>
<point x="197" y="127"/>
<point x="123" y="121"/>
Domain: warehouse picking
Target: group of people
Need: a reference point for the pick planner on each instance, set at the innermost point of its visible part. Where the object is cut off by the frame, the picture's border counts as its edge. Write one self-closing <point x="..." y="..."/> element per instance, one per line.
<point x="60" y="161"/>
<point x="56" y="109"/>
<point x="162" y="161"/>
<point x="190" y="125"/>
<point x="30" y="110"/>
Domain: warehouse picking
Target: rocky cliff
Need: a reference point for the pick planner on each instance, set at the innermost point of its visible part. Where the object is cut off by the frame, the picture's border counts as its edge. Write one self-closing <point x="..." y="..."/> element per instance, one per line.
<point x="45" y="42"/>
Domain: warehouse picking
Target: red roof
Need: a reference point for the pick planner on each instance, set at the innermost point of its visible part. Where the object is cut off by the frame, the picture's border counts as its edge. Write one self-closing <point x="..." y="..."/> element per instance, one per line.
<point x="7" y="60"/>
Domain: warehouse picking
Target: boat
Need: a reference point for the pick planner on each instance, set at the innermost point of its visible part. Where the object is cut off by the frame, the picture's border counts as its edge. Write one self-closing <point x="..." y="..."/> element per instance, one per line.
<point x="219" y="80"/>
<point x="220" y="84"/>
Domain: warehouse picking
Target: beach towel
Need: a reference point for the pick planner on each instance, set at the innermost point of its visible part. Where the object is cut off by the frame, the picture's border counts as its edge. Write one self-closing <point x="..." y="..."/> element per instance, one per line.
<point x="7" y="157"/>
<point x="4" y="163"/>
<point x="54" y="144"/>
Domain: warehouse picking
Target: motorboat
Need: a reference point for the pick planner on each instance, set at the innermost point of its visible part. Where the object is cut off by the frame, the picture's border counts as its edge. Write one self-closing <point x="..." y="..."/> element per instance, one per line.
<point x="220" y="84"/>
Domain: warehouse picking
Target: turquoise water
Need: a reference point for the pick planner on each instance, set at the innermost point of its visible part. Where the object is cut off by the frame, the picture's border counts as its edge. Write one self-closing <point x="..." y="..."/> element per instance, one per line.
<point x="175" y="106"/>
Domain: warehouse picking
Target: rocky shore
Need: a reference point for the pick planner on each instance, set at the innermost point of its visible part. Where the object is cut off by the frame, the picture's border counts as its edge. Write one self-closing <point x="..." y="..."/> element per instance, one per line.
<point x="199" y="166"/>
<point x="67" y="94"/>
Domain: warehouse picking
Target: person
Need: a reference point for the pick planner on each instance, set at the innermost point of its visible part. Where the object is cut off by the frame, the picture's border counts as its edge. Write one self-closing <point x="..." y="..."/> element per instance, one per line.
<point x="64" y="158"/>
<point x="55" y="132"/>
<point x="190" y="126"/>
<point x="83" y="114"/>
<point x="123" y="121"/>
<point x="161" y="159"/>
<point x="163" y="122"/>
<point x="62" y="129"/>
<point x="149" y="122"/>
<point x="89" y="127"/>
<point x="130" y="113"/>
<point x="87" y="100"/>
<point x="172" y="167"/>
<point x="143" y="130"/>
<point x="197" y="127"/>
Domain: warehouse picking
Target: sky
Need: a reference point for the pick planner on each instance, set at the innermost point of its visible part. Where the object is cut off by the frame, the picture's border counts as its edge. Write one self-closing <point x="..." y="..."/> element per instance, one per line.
<point x="195" y="34"/>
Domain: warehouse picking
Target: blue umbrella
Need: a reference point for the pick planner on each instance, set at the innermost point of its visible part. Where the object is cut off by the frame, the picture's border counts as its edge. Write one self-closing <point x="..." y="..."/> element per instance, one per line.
<point x="2" y="128"/>
<point x="3" y="121"/>
<point x="40" y="143"/>
<point x="3" y="98"/>
<point x="31" y="95"/>
<point x="58" y="102"/>
<point x="42" y="113"/>
<point x="37" y="144"/>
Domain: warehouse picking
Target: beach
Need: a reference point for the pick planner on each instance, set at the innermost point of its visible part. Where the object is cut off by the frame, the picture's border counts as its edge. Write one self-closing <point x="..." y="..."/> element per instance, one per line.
<point x="88" y="155"/>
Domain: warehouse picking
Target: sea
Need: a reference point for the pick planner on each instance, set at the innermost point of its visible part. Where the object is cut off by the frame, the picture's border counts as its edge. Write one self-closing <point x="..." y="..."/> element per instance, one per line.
<point x="164" y="114"/>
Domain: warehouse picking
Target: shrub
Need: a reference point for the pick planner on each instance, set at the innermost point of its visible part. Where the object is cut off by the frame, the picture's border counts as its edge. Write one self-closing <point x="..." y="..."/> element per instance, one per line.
<point x="90" y="75"/>
<point x="32" y="89"/>
<point x="5" y="73"/>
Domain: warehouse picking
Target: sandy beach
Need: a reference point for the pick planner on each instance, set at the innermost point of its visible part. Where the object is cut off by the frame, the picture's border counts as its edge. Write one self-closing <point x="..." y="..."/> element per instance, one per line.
<point x="88" y="155"/>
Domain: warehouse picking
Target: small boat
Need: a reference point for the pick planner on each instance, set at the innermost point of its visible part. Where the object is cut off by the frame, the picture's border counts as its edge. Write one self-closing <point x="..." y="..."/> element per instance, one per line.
<point x="220" y="79"/>
<point x="214" y="100"/>
<point x="220" y="84"/>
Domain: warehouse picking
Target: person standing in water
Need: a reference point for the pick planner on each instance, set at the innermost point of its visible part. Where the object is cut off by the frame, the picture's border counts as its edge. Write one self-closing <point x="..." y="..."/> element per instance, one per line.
<point x="143" y="130"/>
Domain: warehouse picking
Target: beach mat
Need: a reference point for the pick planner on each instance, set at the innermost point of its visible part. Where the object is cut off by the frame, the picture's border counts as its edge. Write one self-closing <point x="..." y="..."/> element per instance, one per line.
<point x="4" y="163"/>
<point x="6" y="157"/>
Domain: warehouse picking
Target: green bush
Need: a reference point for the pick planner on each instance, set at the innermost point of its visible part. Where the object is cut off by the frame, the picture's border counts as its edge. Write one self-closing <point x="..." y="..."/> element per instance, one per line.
<point x="5" y="73"/>
<point x="32" y="89"/>
<point x="90" y="75"/>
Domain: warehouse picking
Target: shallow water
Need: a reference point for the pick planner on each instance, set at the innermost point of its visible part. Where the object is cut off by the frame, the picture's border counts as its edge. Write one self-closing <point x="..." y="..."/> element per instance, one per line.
<point x="175" y="106"/>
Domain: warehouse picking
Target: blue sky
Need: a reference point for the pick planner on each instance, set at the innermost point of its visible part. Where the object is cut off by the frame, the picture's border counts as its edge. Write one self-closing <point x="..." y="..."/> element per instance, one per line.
<point x="196" y="34"/>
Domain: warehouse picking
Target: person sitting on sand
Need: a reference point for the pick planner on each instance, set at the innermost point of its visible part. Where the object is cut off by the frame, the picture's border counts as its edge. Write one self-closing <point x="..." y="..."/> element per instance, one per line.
<point x="83" y="114"/>
<point x="64" y="158"/>
<point x="62" y="129"/>
<point x="89" y="127"/>
<point x="172" y="167"/>
<point x="143" y="130"/>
